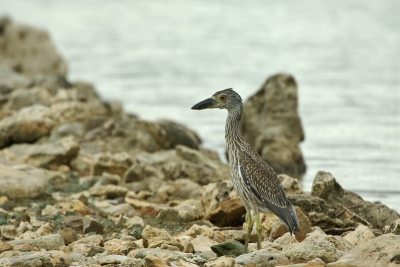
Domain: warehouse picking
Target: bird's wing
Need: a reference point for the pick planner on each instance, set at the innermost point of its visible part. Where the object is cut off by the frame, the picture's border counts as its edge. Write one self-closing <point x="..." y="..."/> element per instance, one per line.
<point x="262" y="181"/>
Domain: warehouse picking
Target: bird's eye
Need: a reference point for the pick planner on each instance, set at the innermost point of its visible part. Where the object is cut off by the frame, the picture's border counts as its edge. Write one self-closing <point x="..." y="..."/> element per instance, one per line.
<point x="222" y="97"/>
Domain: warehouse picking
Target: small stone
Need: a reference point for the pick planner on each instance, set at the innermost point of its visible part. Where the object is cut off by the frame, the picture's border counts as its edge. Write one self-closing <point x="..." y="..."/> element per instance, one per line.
<point x="216" y="193"/>
<point x="24" y="248"/>
<point x="221" y="262"/>
<point x="117" y="260"/>
<point x="119" y="246"/>
<point x="69" y="235"/>
<point x="78" y="207"/>
<point x="73" y="221"/>
<point x="268" y="221"/>
<point x="394" y="227"/>
<point x="49" y="210"/>
<point x="152" y="233"/>
<point x="44" y="230"/>
<point x="5" y="246"/>
<point x="3" y="200"/>
<point x="291" y="185"/>
<point x="119" y="209"/>
<point x="229" y="249"/>
<point x="268" y="257"/>
<point x="91" y="225"/>
<point x="135" y="221"/>
<point x="35" y="258"/>
<point x="9" y="231"/>
<point x="170" y="247"/>
<point x="48" y="242"/>
<point x="361" y="235"/>
<point x="197" y="230"/>
<point x="110" y="191"/>
<point x="154" y="261"/>
<point x="202" y="247"/>
<point x="304" y="224"/>
<point x="278" y="230"/>
<point x="229" y="213"/>
<point x="187" y="245"/>
<point x="112" y="163"/>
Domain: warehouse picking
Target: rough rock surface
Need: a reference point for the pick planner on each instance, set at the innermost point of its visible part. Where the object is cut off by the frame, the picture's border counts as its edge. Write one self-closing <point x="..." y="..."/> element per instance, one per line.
<point x="271" y="124"/>
<point x="14" y="178"/>
<point x="29" y="50"/>
<point x="105" y="188"/>
<point x="382" y="251"/>
<point x="44" y="155"/>
<point x="264" y="257"/>
<point x="28" y="125"/>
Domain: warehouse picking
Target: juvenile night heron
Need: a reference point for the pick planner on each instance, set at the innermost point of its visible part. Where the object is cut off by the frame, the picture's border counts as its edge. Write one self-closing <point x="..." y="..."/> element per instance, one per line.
<point x="253" y="179"/>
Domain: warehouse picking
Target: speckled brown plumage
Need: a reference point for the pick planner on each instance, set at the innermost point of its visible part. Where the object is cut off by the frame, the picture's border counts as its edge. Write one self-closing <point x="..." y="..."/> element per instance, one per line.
<point x="254" y="180"/>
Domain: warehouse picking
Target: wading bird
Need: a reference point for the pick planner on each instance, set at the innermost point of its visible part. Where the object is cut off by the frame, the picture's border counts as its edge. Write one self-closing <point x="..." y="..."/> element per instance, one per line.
<point x="254" y="180"/>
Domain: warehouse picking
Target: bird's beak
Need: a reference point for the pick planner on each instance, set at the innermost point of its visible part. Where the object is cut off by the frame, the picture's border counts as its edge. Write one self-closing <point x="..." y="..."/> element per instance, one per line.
<point x="207" y="103"/>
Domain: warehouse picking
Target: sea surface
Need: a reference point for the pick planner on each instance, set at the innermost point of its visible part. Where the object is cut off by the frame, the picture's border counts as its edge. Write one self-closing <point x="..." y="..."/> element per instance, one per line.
<point x="161" y="57"/>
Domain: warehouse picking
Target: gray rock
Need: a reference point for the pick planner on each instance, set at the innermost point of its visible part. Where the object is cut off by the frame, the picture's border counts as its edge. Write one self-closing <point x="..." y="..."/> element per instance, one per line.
<point x="48" y="242"/>
<point x="117" y="259"/>
<point x="91" y="225"/>
<point x="316" y="245"/>
<point x="361" y="235"/>
<point x="28" y="125"/>
<point x="229" y="249"/>
<point x="74" y="111"/>
<point x="382" y="251"/>
<point x="177" y="164"/>
<point x="80" y="258"/>
<point x="170" y="255"/>
<point x="202" y="247"/>
<point x="221" y="262"/>
<point x="308" y="203"/>
<point x="181" y="213"/>
<point x="110" y="191"/>
<point x="21" y="98"/>
<point x="34" y="259"/>
<point x="15" y="178"/>
<point x="395" y="227"/>
<point x="268" y="257"/>
<point x="140" y="171"/>
<point x="155" y="237"/>
<point x="185" y="189"/>
<point x="169" y="135"/>
<point x="75" y="129"/>
<point x="271" y="124"/>
<point x="88" y="246"/>
<point x="119" y="209"/>
<point x="9" y="231"/>
<point x="135" y="221"/>
<point x="214" y="194"/>
<point x="291" y="185"/>
<point x="230" y="213"/>
<point x="44" y="155"/>
<point x="69" y="235"/>
<point x="30" y="50"/>
<point x="9" y="80"/>
<point x="117" y="163"/>
<point x="375" y="214"/>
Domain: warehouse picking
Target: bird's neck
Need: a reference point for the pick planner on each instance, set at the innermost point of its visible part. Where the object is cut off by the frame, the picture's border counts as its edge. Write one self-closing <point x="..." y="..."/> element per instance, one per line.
<point x="232" y="131"/>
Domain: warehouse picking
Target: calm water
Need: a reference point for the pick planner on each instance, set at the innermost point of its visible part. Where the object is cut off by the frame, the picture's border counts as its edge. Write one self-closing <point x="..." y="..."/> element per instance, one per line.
<point x="161" y="57"/>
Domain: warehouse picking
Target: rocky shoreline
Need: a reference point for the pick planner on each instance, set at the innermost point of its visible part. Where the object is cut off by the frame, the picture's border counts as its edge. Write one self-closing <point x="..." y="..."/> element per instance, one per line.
<point x="82" y="183"/>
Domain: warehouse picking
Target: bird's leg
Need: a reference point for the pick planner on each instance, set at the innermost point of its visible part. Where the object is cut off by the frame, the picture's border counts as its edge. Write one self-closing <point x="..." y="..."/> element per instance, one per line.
<point x="249" y="221"/>
<point x="258" y="228"/>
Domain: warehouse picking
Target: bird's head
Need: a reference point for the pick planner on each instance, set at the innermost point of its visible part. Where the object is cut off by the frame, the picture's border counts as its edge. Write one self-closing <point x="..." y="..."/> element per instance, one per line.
<point x="225" y="99"/>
